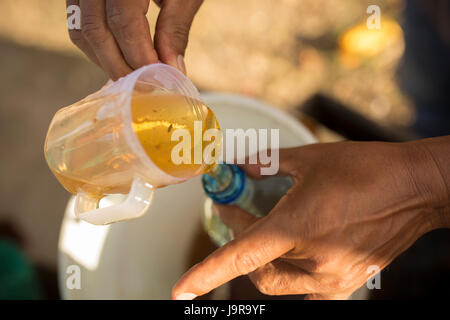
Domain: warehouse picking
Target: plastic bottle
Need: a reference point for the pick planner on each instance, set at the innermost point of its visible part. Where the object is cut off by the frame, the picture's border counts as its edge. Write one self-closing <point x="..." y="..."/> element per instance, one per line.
<point x="229" y="185"/>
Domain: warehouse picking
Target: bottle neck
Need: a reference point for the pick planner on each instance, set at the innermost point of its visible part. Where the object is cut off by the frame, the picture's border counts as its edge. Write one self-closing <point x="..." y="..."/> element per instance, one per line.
<point x="222" y="176"/>
<point x="224" y="183"/>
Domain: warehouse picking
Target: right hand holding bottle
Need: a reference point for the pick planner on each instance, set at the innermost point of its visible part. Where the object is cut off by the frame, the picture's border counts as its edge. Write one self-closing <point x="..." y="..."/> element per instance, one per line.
<point x="353" y="205"/>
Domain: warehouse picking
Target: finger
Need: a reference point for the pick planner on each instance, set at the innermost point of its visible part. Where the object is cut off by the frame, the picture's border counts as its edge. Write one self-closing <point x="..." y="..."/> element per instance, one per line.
<point x="280" y="278"/>
<point x="77" y="38"/>
<point x="130" y="28"/>
<point x="258" y="245"/>
<point x="101" y="40"/>
<point x="287" y="163"/>
<point x="236" y="219"/>
<point x="172" y="30"/>
<point x="301" y="261"/>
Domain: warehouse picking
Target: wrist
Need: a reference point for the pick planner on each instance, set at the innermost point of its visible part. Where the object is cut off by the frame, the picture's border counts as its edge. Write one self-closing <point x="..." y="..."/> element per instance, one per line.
<point x="427" y="164"/>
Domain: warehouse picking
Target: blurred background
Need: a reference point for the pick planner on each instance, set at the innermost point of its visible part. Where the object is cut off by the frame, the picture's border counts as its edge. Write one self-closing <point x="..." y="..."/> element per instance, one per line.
<point x="285" y="52"/>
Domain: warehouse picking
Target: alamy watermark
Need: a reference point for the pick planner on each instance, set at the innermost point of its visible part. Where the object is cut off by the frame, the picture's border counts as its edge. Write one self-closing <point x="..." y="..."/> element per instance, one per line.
<point x="73" y="17"/>
<point x="237" y="144"/>
<point x="374" y="20"/>
<point x="73" y="280"/>
<point x="374" y="281"/>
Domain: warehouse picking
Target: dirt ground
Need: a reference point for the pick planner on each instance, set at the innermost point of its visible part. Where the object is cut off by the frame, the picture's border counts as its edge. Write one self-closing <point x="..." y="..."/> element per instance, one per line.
<point x="280" y="51"/>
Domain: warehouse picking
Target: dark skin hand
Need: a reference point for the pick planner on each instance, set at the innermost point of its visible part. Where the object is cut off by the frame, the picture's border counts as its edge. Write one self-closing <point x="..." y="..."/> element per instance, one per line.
<point x="116" y="36"/>
<point x="353" y="205"/>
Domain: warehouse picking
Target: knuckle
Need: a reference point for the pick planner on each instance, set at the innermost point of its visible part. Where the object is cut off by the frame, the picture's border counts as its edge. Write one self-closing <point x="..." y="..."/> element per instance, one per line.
<point x="177" y="34"/>
<point x="92" y="28"/>
<point x="264" y="285"/>
<point x="272" y="284"/>
<point x="264" y="288"/>
<point x="244" y="263"/>
<point x="180" y="31"/>
<point x="124" y="26"/>
<point x="115" y="19"/>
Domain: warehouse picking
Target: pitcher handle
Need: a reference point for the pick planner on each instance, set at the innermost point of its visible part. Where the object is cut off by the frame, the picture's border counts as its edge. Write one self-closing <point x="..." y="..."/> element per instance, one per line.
<point x="134" y="206"/>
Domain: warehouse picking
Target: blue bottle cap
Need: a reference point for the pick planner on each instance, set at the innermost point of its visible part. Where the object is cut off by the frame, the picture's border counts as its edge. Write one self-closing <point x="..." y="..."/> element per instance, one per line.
<point x="225" y="194"/>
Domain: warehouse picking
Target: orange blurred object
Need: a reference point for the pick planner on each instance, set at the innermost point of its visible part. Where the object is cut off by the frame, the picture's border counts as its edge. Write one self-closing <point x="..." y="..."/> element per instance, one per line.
<point x="360" y="42"/>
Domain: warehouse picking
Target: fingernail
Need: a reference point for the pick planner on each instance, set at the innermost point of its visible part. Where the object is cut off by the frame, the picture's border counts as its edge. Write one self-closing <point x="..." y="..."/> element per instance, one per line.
<point x="185" y="296"/>
<point x="181" y="65"/>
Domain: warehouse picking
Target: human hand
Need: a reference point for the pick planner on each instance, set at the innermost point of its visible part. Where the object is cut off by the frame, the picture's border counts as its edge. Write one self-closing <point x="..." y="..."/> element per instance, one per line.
<point x="352" y="205"/>
<point x="116" y="36"/>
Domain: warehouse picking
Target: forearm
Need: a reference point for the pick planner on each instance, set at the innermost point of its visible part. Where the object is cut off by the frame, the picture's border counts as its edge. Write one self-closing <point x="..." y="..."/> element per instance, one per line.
<point x="430" y="163"/>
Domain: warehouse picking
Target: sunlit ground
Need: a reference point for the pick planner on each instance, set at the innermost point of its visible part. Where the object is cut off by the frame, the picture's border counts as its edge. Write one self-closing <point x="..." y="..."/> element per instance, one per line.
<point x="281" y="51"/>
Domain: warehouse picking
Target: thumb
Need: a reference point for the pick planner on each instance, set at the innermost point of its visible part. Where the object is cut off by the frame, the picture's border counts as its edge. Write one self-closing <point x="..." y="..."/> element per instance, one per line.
<point x="172" y="30"/>
<point x="236" y="219"/>
<point x="285" y="161"/>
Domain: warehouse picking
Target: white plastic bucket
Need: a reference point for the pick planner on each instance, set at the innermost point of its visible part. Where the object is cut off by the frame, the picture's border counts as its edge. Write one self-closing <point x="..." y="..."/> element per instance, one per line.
<point x="143" y="258"/>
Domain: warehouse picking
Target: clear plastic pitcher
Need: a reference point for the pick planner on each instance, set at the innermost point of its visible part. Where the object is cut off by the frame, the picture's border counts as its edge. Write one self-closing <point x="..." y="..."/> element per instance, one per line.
<point x="94" y="150"/>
